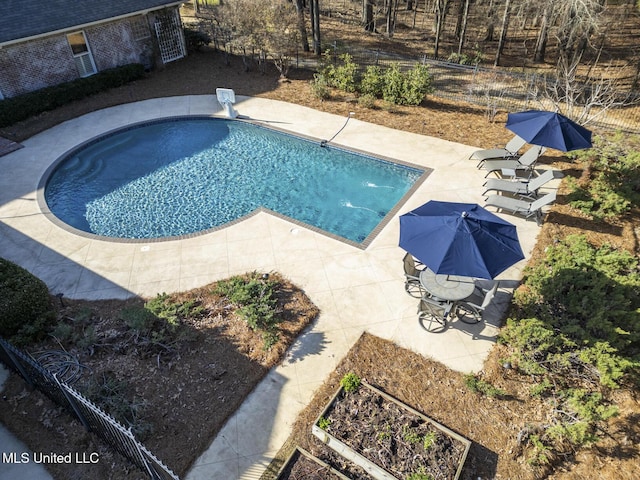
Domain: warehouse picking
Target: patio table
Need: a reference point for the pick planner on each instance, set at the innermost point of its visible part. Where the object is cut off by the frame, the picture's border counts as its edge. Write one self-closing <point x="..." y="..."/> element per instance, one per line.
<point x="446" y="287"/>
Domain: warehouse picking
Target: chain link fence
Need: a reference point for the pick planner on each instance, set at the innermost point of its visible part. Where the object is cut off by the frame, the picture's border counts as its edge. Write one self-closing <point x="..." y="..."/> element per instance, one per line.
<point x="92" y="417"/>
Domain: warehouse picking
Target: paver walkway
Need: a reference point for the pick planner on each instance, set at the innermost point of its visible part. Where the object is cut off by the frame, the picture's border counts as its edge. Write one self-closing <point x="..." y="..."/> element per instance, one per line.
<point x="356" y="290"/>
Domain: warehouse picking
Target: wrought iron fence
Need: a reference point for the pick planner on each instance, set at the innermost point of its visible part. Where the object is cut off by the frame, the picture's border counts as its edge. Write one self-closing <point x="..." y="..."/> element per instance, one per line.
<point x="490" y="88"/>
<point x="493" y="89"/>
<point x="90" y="415"/>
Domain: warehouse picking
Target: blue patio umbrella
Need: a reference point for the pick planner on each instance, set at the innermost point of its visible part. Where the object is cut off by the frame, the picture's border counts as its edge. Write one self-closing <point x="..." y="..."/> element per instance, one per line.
<point x="460" y="239"/>
<point x="549" y="129"/>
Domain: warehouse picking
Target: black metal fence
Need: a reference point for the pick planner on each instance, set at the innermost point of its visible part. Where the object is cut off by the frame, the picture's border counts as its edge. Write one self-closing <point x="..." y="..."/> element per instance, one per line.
<point x="91" y="416"/>
<point x="493" y="89"/>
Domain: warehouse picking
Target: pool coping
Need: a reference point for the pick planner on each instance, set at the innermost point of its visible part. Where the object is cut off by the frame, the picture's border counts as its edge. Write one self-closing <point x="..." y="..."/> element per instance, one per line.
<point x="50" y="216"/>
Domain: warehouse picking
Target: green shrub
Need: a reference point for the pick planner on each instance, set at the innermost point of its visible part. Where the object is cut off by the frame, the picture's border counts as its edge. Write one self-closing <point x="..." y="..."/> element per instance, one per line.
<point x="367" y="101"/>
<point x="372" y="82"/>
<point x="417" y="84"/>
<point x="612" y="187"/>
<point x="25" y="304"/>
<point x="478" y="385"/>
<point x="393" y="89"/>
<point x="254" y="297"/>
<point x="21" y="107"/>
<point x="408" y="88"/>
<point x="576" y="329"/>
<point x="343" y="76"/>
<point x="195" y="39"/>
<point x="350" y="382"/>
<point x="320" y="87"/>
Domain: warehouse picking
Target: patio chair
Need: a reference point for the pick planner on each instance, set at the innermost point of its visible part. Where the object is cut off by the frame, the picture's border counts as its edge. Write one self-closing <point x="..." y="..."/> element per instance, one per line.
<point x="433" y="313"/>
<point x="523" y="163"/>
<point x="412" y="277"/>
<point x="510" y="150"/>
<point x="522" y="207"/>
<point x="528" y="189"/>
<point x="470" y="309"/>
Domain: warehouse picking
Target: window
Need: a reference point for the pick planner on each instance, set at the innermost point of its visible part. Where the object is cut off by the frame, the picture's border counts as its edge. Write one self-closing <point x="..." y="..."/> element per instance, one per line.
<point x="140" y="28"/>
<point x="81" y="54"/>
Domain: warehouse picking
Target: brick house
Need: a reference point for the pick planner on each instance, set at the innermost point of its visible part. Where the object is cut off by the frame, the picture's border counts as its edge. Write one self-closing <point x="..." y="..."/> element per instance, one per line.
<point x="47" y="42"/>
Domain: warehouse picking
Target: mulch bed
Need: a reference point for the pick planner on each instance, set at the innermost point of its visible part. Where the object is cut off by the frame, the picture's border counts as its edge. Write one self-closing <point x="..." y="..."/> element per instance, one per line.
<point x="391" y="436"/>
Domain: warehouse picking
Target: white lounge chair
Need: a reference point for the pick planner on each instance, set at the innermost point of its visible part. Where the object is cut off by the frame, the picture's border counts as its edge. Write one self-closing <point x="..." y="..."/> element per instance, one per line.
<point x="522" y="207"/>
<point x="527" y="189"/>
<point x="525" y="162"/>
<point x="510" y="149"/>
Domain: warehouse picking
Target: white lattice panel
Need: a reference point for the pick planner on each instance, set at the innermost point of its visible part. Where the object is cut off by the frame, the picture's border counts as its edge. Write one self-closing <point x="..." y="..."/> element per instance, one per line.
<point x="169" y="33"/>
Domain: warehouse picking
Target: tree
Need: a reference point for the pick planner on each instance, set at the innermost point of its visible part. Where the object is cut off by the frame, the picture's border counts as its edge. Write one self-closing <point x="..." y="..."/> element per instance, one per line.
<point x="265" y="28"/>
<point x="392" y="9"/>
<point x="367" y="16"/>
<point x="503" y="31"/>
<point x="302" y="27"/>
<point x="583" y="99"/>
<point x="461" y="27"/>
<point x="441" y="7"/>
<point x="543" y="34"/>
<point x="314" y="7"/>
<point x="578" y="21"/>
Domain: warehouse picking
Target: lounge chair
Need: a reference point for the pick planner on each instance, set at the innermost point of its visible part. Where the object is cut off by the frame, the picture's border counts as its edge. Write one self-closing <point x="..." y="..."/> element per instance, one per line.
<point x="524" y="163"/>
<point x="412" y="283"/>
<point x="522" y="207"/>
<point x="509" y="150"/>
<point x="528" y="189"/>
<point x="470" y="309"/>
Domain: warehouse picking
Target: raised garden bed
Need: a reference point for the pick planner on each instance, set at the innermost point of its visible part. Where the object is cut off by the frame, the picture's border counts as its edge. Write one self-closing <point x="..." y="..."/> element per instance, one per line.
<point x="389" y="439"/>
<point x="301" y="465"/>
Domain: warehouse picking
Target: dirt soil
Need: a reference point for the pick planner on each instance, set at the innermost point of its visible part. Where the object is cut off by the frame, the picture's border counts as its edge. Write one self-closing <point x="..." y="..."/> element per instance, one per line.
<point x="300" y="467"/>
<point x="493" y="425"/>
<point x="182" y="386"/>
<point x="391" y="436"/>
<point x="220" y="368"/>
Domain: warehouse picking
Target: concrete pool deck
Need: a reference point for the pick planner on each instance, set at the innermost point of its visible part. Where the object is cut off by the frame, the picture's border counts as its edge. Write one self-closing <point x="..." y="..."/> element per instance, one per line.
<point x="356" y="290"/>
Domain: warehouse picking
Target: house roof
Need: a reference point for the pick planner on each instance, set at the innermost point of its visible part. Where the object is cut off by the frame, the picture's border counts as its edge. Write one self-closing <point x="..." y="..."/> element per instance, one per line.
<point x="21" y="20"/>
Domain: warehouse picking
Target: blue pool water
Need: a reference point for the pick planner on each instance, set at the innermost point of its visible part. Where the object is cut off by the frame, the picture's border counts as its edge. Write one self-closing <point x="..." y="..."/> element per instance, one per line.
<point x="181" y="176"/>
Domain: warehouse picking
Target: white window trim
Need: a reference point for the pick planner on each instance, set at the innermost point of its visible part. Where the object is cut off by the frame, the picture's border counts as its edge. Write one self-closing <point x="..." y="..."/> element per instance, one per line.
<point x="84" y="72"/>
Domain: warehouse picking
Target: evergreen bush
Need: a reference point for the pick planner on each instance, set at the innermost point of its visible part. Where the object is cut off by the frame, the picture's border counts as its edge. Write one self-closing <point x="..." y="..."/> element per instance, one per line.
<point x="25" y="304"/>
<point x="21" y="107"/>
<point x="372" y="82"/>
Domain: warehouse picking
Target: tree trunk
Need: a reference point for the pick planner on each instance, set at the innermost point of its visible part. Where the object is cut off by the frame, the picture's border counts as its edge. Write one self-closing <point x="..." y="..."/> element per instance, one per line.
<point x="463" y="27"/>
<point x="392" y="8"/>
<point x="543" y="34"/>
<point x="302" y="28"/>
<point x="441" y="11"/>
<point x="490" y="22"/>
<point x="315" y="25"/>
<point x="367" y="15"/>
<point x="317" y="44"/>
<point x="503" y="32"/>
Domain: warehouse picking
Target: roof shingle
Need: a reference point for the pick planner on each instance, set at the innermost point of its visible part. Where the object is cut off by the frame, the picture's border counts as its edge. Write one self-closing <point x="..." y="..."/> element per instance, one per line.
<point x="21" y="19"/>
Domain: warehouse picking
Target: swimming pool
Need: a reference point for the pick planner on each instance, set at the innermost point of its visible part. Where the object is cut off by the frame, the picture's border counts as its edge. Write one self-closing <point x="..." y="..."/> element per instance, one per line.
<point x="179" y="176"/>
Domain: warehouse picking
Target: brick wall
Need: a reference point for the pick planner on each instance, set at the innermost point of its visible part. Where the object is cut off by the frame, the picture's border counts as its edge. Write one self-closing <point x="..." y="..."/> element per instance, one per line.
<point x="37" y="64"/>
<point x="112" y="44"/>
<point x="44" y="62"/>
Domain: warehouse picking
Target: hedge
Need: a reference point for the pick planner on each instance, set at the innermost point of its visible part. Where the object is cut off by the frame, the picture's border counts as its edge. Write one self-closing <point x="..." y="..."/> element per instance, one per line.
<point x="25" y="303"/>
<point x="19" y="108"/>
